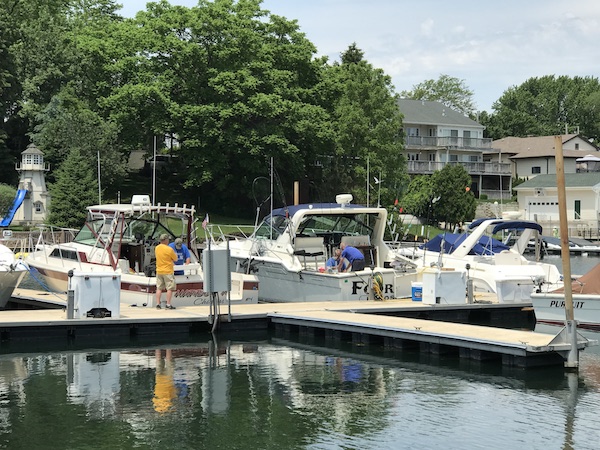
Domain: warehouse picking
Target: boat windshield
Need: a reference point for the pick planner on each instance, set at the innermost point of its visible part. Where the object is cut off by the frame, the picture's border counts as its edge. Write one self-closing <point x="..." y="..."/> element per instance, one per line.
<point x="265" y="230"/>
<point x="129" y="231"/>
<point x="342" y="224"/>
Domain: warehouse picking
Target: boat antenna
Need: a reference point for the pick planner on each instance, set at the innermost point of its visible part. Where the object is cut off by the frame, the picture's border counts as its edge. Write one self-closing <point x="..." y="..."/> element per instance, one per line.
<point x="259" y="203"/>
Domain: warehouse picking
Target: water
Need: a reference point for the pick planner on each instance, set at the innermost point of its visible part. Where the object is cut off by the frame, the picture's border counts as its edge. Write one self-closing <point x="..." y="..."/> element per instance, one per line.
<point x="267" y="392"/>
<point x="274" y="393"/>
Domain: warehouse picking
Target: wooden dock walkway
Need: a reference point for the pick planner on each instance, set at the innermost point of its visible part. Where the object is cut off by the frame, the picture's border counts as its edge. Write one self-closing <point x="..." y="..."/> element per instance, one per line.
<point x="364" y="322"/>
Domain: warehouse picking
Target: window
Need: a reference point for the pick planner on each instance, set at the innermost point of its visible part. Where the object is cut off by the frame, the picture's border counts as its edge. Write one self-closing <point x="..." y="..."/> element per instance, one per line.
<point x="577" y="209"/>
<point x="453" y="158"/>
<point x="431" y="157"/>
<point x="413" y="131"/>
<point x="577" y="146"/>
<point x="473" y="158"/>
<point x="536" y="169"/>
<point x="413" y="156"/>
<point x="38" y="207"/>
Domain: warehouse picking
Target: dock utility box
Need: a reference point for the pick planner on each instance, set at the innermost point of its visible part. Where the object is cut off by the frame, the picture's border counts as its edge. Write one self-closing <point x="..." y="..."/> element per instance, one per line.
<point x="445" y="286"/>
<point x="96" y="294"/>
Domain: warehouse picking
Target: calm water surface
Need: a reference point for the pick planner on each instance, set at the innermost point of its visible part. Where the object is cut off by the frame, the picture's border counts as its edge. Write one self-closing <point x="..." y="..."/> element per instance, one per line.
<point x="269" y="392"/>
<point x="276" y="393"/>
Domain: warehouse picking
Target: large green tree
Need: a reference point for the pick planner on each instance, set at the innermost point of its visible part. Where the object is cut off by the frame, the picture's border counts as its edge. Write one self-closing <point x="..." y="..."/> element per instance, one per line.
<point x="67" y="123"/>
<point x="367" y="124"/>
<point x="547" y="106"/>
<point x="235" y="85"/>
<point x="74" y="189"/>
<point x="452" y="92"/>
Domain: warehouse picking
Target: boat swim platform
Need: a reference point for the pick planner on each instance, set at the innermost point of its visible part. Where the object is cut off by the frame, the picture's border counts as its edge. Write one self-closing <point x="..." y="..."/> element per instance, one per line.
<point x="360" y="322"/>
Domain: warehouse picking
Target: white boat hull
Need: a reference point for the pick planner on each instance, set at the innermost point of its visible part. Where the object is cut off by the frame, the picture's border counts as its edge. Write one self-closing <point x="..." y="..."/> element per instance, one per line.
<point x="550" y="308"/>
<point x="9" y="280"/>
<point x="140" y="290"/>
<point x="277" y="284"/>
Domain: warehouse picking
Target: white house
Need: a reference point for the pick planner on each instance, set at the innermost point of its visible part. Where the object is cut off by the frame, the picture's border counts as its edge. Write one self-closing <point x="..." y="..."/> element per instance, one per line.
<point x="436" y="136"/>
<point x="532" y="156"/>
<point x="538" y="200"/>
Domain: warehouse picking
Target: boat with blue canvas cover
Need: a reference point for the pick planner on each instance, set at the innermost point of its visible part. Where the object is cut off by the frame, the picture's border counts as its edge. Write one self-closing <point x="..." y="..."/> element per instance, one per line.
<point x="494" y="265"/>
<point x="289" y="249"/>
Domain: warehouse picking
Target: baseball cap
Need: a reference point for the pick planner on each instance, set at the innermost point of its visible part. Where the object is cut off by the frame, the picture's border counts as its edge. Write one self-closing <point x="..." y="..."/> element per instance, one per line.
<point x="163" y="237"/>
<point x="178" y="242"/>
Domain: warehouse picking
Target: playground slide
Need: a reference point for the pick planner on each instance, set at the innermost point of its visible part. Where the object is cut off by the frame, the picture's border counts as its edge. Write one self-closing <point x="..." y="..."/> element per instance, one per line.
<point x="13" y="209"/>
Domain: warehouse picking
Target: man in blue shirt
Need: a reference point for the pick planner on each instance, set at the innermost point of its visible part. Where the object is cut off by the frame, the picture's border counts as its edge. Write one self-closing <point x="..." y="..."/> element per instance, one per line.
<point x="183" y="254"/>
<point x="354" y="257"/>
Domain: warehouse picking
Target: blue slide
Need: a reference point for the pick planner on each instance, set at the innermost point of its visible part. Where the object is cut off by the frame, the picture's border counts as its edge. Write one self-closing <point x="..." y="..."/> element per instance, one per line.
<point x="13" y="209"/>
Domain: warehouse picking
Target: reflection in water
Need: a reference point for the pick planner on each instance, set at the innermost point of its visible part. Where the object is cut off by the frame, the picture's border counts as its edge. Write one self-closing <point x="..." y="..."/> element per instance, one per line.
<point x="286" y="394"/>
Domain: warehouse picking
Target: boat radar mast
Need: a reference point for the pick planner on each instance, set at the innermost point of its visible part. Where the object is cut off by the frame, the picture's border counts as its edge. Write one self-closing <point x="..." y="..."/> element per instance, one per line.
<point x="343" y="199"/>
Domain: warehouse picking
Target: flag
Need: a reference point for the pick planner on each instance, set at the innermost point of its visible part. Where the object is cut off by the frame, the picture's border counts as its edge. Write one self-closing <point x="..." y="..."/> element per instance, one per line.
<point x="205" y="221"/>
<point x="395" y="202"/>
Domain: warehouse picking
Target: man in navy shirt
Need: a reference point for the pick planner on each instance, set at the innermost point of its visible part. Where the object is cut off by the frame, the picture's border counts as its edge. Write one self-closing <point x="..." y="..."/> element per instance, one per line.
<point x="354" y="256"/>
<point x="183" y="254"/>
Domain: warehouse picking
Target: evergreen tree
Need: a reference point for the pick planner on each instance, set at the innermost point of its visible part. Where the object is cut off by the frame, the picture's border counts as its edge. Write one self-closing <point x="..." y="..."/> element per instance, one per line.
<point x="75" y="188"/>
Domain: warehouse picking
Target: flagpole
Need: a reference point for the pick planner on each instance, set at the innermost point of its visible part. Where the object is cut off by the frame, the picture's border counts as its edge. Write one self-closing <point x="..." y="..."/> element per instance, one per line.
<point x="154" y="174"/>
<point x="99" y="182"/>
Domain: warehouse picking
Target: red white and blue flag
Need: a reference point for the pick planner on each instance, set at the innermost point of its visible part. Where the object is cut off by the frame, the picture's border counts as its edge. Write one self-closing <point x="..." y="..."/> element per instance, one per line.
<point x="205" y="221"/>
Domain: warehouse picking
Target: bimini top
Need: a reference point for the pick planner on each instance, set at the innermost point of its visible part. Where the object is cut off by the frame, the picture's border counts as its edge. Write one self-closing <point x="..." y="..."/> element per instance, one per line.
<point x="451" y="241"/>
<point x="291" y="210"/>
<point x="501" y="224"/>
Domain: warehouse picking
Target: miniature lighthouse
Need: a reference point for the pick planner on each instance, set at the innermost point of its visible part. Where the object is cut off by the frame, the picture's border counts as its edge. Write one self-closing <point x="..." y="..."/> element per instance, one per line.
<point x="32" y="185"/>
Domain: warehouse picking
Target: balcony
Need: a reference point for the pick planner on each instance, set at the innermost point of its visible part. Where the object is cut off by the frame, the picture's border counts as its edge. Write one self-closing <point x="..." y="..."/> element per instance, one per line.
<point x="473" y="168"/>
<point x="412" y="142"/>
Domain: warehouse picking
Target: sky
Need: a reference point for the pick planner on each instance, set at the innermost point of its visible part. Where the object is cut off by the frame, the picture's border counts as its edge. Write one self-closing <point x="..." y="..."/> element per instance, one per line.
<point x="490" y="45"/>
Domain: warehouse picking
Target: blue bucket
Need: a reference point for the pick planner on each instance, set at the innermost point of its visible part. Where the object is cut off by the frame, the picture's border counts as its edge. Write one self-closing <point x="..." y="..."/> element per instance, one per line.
<point x="417" y="292"/>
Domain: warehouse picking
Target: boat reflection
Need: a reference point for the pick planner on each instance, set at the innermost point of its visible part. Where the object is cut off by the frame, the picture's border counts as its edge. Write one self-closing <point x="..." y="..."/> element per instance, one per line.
<point x="273" y="390"/>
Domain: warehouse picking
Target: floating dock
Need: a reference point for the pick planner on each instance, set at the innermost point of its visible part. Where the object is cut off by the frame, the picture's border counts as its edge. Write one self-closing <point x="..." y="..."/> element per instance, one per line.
<point x="401" y="324"/>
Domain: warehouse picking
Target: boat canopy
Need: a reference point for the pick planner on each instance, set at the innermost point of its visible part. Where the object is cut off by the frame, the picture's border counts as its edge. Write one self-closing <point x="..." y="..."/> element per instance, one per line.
<point x="451" y="241"/>
<point x="502" y="224"/>
<point x="291" y="210"/>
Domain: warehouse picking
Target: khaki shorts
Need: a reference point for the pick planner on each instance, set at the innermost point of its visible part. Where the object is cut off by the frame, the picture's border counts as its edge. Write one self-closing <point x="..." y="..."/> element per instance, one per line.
<point x="165" y="282"/>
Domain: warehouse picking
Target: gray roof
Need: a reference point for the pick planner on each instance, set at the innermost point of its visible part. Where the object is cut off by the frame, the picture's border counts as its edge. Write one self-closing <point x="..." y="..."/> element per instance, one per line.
<point x="586" y="179"/>
<point x="536" y="146"/>
<point x="32" y="150"/>
<point x="425" y="112"/>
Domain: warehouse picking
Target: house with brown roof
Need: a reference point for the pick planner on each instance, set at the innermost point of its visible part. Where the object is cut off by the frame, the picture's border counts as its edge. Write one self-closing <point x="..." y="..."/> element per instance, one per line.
<point x="436" y="136"/>
<point x="532" y="156"/>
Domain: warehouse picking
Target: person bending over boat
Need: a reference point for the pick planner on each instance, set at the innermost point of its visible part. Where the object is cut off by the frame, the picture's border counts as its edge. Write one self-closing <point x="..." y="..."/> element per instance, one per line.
<point x="335" y="261"/>
<point x="354" y="256"/>
<point x="165" y="278"/>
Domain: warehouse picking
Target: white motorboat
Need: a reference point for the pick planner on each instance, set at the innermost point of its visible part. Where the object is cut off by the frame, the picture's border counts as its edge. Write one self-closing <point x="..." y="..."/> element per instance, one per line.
<point x="493" y="265"/>
<point x="549" y="307"/>
<point x="289" y="249"/>
<point x="12" y="271"/>
<point x="121" y="238"/>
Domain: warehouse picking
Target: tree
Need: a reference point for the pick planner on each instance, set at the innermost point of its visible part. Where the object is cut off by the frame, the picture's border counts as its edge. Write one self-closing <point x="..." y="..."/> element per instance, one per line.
<point x="457" y="203"/>
<point x="448" y="90"/>
<point x="67" y="123"/>
<point x="548" y="106"/>
<point x="7" y="196"/>
<point x="444" y="196"/>
<point x="74" y="189"/>
<point x="233" y="84"/>
<point x="367" y="124"/>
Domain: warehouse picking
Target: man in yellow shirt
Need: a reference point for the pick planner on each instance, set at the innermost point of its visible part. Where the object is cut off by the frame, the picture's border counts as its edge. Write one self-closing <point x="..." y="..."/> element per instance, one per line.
<point x="165" y="278"/>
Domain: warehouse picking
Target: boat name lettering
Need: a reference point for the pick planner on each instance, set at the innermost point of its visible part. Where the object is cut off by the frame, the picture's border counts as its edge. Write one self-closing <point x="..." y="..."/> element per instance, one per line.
<point x="364" y="287"/>
<point x="191" y="293"/>
<point x="561" y="304"/>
